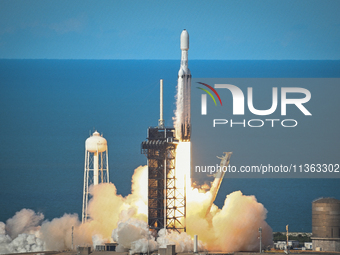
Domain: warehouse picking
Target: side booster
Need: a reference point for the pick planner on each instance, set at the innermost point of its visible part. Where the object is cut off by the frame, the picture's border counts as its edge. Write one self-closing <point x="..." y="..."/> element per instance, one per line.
<point x="183" y="121"/>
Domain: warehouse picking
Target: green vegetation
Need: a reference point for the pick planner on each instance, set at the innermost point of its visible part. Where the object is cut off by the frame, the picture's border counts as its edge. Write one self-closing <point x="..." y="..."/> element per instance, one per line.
<point x="279" y="236"/>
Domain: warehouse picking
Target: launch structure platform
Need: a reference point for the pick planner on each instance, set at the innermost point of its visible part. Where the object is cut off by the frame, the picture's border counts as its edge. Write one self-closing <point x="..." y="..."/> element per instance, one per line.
<point x="166" y="202"/>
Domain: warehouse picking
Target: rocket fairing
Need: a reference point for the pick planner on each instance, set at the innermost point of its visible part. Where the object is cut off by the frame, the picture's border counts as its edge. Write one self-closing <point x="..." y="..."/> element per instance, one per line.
<point x="182" y="119"/>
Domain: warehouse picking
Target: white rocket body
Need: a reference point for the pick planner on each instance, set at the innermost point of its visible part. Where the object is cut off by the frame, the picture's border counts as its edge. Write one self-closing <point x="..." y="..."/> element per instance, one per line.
<point x="182" y="121"/>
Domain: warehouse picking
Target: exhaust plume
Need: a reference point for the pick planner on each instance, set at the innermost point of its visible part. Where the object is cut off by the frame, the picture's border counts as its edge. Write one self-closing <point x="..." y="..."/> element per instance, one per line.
<point x="234" y="227"/>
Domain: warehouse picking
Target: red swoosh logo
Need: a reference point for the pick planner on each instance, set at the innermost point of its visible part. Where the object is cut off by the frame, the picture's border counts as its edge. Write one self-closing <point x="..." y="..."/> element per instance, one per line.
<point x="213" y="90"/>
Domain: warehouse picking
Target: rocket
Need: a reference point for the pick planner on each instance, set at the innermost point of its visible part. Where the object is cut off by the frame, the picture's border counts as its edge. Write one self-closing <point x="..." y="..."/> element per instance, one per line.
<point x="182" y="116"/>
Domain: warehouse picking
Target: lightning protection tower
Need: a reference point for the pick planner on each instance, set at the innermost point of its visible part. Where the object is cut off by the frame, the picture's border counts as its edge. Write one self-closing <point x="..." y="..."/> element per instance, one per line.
<point x="96" y="167"/>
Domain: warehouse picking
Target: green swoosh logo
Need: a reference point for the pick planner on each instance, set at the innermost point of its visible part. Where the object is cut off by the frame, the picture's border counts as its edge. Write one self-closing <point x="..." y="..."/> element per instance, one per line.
<point x="208" y="92"/>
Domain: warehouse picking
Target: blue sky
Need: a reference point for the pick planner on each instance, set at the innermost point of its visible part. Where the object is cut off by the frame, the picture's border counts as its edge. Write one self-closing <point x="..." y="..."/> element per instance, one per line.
<point x="103" y="29"/>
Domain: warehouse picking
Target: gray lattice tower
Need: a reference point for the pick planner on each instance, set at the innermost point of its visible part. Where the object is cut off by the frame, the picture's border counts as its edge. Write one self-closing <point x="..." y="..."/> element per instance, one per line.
<point x="166" y="202"/>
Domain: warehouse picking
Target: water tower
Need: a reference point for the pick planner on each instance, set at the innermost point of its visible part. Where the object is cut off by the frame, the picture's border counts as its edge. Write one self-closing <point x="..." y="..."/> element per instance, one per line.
<point x="96" y="167"/>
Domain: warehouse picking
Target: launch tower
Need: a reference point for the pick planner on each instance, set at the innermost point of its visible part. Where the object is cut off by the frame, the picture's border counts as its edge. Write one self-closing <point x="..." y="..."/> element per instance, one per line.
<point x="166" y="203"/>
<point x="96" y="167"/>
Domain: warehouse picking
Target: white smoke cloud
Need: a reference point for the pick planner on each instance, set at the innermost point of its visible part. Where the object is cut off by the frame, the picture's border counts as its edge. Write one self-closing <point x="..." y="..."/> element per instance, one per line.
<point x="2" y="228"/>
<point x="182" y="241"/>
<point x="234" y="227"/>
<point x="134" y="234"/>
<point x="24" y="221"/>
<point x="20" y="233"/>
<point x="4" y="239"/>
<point x="239" y="222"/>
<point x="98" y="240"/>
<point x="26" y="230"/>
<point x="57" y="234"/>
<point x="26" y="243"/>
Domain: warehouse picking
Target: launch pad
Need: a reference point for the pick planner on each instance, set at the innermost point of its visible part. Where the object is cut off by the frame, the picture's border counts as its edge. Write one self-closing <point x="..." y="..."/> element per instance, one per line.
<point x="166" y="203"/>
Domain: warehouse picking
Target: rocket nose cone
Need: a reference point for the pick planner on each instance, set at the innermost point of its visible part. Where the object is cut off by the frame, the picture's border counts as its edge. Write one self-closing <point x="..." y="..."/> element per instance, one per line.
<point x="184" y="40"/>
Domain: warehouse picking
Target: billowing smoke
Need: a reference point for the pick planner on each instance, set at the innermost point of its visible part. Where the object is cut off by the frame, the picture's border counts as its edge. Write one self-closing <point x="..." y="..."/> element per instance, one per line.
<point x="98" y="240"/>
<point x="183" y="241"/>
<point x="134" y="235"/>
<point x="20" y="233"/>
<point x="124" y="220"/>
<point x="57" y="234"/>
<point x="25" y="221"/>
<point x="27" y="231"/>
<point x="235" y="227"/>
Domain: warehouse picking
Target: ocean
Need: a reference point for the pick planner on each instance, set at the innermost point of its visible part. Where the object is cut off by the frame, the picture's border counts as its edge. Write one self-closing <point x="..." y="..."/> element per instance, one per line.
<point x="48" y="108"/>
